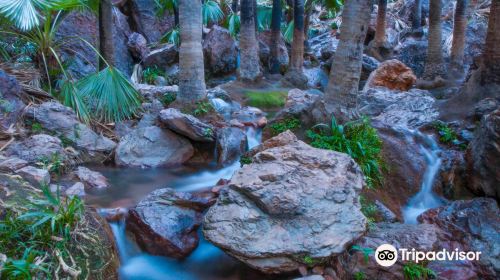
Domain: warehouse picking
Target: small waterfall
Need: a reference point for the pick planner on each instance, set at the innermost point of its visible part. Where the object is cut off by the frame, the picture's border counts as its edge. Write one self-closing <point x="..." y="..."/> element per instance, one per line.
<point x="254" y="137"/>
<point x="425" y="199"/>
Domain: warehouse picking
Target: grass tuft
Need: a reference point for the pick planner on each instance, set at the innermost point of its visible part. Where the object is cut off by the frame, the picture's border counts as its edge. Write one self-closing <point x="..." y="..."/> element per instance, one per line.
<point x="268" y="100"/>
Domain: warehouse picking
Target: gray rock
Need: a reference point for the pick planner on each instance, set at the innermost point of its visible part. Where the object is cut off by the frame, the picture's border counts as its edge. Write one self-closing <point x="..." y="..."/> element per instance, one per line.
<point x="138" y="45"/>
<point x="413" y="53"/>
<point x="220" y="51"/>
<point x="149" y="24"/>
<point x="164" y="55"/>
<point x="386" y="213"/>
<point x="11" y="105"/>
<point x="264" y="39"/>
<point x="316" y="77"/>
<point x="151" y="92"/>
<point x="231" y="143"/>
<point x="91" y="179"/>
<point x="62" y="121"/>
<point x="12" y="164"/>
<point x="152" y="147"/>
<point x="187" y="125"/>
<point x="78" y="189"/>
<point x="35" y="176"/>
<point x="37" y="147"/>
<point x="484" y="107"/>
<point x="290" y="202"/>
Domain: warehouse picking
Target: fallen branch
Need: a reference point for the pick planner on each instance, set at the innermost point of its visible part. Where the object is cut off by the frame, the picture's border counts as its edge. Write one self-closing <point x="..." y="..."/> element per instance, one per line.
<point x="74" y="273"/>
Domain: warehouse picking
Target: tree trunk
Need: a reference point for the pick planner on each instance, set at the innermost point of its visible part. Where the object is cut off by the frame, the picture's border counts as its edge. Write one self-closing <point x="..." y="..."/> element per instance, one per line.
<point x="297" y="57"/>
<point x="274" y="63"/>
<point x="434" y="65"/>
<point x="249" y="47"/>
<point x="307" y="23"/>
<point x="235" y="6"/>
<point x="191" y="69"/>
<point x="491" y="55"/>
<point x="416" y="22"/>
<point x="176" y="15"/>
<point x="381" y="22"/>
<point x="106" y="45"/>
<point x="458" y="43"/>
<point x="341" y="92"/>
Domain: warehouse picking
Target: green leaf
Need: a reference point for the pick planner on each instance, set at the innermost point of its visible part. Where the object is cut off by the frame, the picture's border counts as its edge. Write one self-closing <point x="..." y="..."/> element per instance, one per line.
<point x="211" y="12"/>
<point x="23" y="13"/>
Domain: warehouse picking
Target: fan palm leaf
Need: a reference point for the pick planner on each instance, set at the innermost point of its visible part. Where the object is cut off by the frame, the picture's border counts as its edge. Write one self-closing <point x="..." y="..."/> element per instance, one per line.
<point x="212" y="12"/>
<point x="23" y="13"/>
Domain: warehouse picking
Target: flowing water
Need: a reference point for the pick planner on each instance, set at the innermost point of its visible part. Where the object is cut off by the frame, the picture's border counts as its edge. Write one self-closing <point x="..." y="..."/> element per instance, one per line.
<point x="425" y="199"/>
<point x="128" y="186"/>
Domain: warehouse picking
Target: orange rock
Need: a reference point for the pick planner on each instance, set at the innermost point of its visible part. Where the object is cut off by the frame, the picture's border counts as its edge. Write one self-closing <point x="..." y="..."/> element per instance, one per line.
<point x="392" y="74"/>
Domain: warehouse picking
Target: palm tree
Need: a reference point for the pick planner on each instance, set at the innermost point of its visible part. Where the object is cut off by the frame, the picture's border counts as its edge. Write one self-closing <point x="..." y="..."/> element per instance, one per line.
<point x="249" y="48"/>
<point x="191" y="69"/>
<point x="235" y="6"/>
<point x="379" y="47"/>
<point x="434" y="65"/>
<point x="297" y="57"/>
<point x="342" y="89"/>
<point x="491" y="54"/>
<point x="416" y="22"/>
<point x="458" y="42"/>
<point x="106" y="45"/>
<point x="274" y="63"/>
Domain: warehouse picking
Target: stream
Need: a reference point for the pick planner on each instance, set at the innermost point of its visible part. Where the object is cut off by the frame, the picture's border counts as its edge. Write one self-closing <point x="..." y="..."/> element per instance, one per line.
<point x="425" y="199"/>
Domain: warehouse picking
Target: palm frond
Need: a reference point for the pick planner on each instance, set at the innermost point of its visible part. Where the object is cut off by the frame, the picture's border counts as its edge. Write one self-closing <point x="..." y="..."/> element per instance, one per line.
<point x="233" y="24"/>
<point x="212" y="12"/>
<point x="172" y="37"/>
<point x="264" y="16"/>
<point x="163" y="6"/>
<point x="288" y="32"/>
<point x="23" y="13"/>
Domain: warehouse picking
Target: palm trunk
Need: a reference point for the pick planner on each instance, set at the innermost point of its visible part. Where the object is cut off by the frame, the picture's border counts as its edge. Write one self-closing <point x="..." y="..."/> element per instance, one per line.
<point x="307" y="23"/>
<point x="341" y="92"/>
<point x="491" y="55"/>
<point x="381" y="22"/>
<point x="176" y="15"/>
<point x="458" y="43"/>
<point x="274" y="63"/>
<point x="234" y="6"/>
<point x="106" y="45"/>
<point x="417" y="15"/>
<point x="191" y="69"/>
<point x="249" y="48"/>
<point x="434" y="65"/>
<point x="297" y="58"/>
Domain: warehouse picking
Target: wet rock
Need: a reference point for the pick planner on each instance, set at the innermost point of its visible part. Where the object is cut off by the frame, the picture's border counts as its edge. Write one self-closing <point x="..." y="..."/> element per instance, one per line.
<point x="149" y="24"/>
<point x="152" y="147"/>
<point x="392" y="74"/>
<point x="37" y="147"/>
<point x="12" y="164"/>
<point x="409" y="109"/>
<point x="264" y="39"/>
<point x="247" y="114"/>
<point x="162" y="56"/>
<point x="231" y="143"/>
<point x="35" y="176"/>
<point x="62" y="121"/>
<point x="91" y="179"/>
<point x="187" y="125"/>
<point x="483" y="157"/>
<point x="138" y="45"/>
<point x="475" y="224"/>
<point x="165" y="222"/>
<point x="11" y="105"/>
<point x="78" y="189"/>
<point x="287" y="193"/>
<point x="220" y="51"/>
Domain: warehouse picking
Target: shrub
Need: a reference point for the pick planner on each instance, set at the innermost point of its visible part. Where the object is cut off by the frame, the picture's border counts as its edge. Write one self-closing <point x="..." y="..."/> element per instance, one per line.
<point x="360" y="275"/>
<point x="54" y="164"/>
<point x="357" y="139"/>
<point x="245" y="160"/>
<point x="369" y="209"/>
<point x="150" y="74"/>
<point x="413" y="271"/>
<point x="203" y="108"/>
<point x="271" y="99"/>
<point x="446" y="134"/>
<point x="168" y="98"/>
<point x="284" y="125"/>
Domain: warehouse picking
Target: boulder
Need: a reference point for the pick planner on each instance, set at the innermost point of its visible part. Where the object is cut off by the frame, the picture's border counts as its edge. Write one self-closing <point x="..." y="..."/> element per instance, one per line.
<point x="152" y="147"/>
<point x="165" y="223"/>
<point x="413" y="53"/>
<point x="291" y="202"/>
<point x="148" y="23"/>
<point x="11" y="106"/>
<point x="187" y="125"/>
<point x="62" y="121"/>
<point x="91" y="179"/>
<point x="78" y="189"/>
<point x="324" y="46"/>
<point x="220" y="51"/>
<point x="37" y="147"/>
<point x="316" y="77"/>
<point x="392" y="74"/>
<point x="483" y="107"/>
<point x="474" y="223"/>
<point x="231" y="143"/>
<point x="162" y="56"/>
<point x="296" y="79"/>
<point x="12" y="164"/>
<point x="264" y="39"/>
<point x="151" y="92"/>
<point x="483" y="157"/>
<point x="138" y="45"/>
<point x="36" y="176"/>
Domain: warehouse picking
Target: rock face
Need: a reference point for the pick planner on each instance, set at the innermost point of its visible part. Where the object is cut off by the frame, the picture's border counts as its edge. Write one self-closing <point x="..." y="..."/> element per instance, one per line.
<point x="12" y="164"/>
<point x="292" y="201"/>
<point x="138" y="45"/>
<point x="187" y="125"/>
<point x="91" y="179"/>
<point x="152" y="26"/>
<point x="474" y="223"/>
<point x="62" y="121"/>
<point x="392" y="74"/>
<point x="37" y="147"/>
<point x="152" y="147"/>
<point x="220" y="51"/>
<point x="166" y="222"/>
<point x="231" y="143"/>
<point x="483" y="157"/>
<point x="10" y="103"/>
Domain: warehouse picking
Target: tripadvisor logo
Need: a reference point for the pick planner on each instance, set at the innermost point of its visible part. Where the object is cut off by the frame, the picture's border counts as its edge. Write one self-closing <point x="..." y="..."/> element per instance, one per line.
<point x="387" y="255"/>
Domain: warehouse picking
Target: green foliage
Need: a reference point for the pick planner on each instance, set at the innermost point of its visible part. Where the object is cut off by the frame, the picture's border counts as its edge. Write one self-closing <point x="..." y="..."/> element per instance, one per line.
<point x="150" y="74"/>
<point x="366" y="251"/>
<point x="54" y="164"/>
<point x="413" y="271"/>
<point x="284" y="125"/>
<point x="271" y="99"/>
<point x="446" y="134"/>
<point x="368" y="209"/>
<point x="163" y="6"/>
<point x="360" y="275"/>
<point x="308" y="260"/>
<point x="203" y="108"/>
<point x="264" y="16"/>
<point x="357" y="139"/>
<point x="168" y="98"/>
<point x="245" y="160"/>
<point x="233" y="24"/>
<point x="172" y="37"/>
<point x="212" y="12"/>
<point x="287" y="32"/>
<point x="36" y="128"/>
